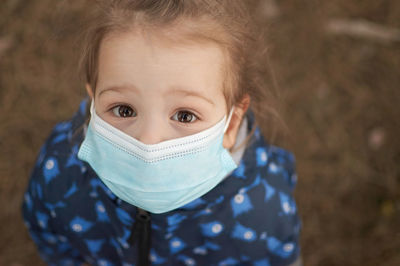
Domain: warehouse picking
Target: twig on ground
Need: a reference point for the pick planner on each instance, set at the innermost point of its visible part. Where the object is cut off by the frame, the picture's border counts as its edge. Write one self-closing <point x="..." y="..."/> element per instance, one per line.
<point x="363" y="29"/>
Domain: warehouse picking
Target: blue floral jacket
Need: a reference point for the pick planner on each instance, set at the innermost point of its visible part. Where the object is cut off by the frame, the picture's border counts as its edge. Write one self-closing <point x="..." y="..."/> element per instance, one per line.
<point x="250" y="218"/>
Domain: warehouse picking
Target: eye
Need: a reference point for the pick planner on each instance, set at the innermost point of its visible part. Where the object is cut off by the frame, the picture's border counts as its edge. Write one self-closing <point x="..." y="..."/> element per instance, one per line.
<point x="124" y="111"/>
<point x="184" y="117"/>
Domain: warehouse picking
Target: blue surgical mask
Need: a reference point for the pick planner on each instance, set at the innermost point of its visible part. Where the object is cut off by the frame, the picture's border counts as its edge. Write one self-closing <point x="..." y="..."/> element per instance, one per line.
<point x="157" y="177"/>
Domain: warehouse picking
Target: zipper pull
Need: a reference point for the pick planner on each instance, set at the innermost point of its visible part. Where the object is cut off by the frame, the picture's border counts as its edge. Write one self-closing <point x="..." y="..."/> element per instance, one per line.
<point x="141" y="231"/>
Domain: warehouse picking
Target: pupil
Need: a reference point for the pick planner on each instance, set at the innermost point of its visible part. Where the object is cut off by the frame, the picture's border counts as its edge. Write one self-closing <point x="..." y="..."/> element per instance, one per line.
<point x="185" y="117"/>
<point x="125" y="111"/>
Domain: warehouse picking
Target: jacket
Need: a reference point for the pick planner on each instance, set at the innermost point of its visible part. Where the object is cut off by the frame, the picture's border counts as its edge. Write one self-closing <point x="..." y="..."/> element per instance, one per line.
<point x="250" y="218"/>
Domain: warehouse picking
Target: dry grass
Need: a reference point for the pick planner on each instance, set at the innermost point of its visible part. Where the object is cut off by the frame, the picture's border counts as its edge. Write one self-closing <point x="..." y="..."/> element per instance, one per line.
<point x="341" y="96"/>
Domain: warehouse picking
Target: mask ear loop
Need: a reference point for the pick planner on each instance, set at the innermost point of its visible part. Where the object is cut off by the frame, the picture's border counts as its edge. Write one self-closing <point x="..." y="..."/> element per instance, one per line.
<point x="92" y="110"/>
<point x="229" y="119"/>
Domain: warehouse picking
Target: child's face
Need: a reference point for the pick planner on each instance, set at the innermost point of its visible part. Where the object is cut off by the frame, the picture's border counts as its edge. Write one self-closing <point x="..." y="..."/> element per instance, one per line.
<point x="154" y="92"/>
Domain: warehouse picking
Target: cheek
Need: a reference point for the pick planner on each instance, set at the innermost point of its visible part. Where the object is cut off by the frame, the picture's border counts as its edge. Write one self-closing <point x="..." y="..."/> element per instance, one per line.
<point x="222" y="105"/>
<point x="116" y="122"/>
<point x="123" y="125"/>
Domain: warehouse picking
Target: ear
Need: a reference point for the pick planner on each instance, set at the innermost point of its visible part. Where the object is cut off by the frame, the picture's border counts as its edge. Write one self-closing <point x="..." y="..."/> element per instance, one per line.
<point x="89" y="91"/>
<point x="237" y="117"/>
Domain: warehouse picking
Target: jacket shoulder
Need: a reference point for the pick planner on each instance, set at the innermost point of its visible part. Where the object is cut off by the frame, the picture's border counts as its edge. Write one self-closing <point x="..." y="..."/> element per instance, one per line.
<point x="275" y="164"/>
<point x="283" y="162"/>
<point x="57" y="164"/>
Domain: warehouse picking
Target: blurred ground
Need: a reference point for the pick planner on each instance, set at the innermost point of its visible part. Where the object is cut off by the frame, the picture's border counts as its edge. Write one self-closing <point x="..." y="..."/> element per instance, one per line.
<point x="341" y="95"/>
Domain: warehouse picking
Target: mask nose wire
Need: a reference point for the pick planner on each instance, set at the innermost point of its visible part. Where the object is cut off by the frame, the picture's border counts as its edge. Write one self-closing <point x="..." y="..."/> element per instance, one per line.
<point x="228" y="120"/>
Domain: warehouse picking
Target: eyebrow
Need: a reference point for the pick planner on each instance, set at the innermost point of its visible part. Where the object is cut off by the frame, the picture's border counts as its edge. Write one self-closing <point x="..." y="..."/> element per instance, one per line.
<point x="118" y="88"/>
<point x="191" y="93"/>
<point x="174" y="90"/>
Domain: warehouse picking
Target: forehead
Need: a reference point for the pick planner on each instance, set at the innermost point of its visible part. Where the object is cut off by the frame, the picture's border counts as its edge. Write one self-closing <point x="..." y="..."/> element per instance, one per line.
<point x="150" y="61"/>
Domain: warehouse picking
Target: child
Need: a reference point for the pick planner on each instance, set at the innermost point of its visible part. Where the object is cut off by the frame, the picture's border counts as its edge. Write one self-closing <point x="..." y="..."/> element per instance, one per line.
<point x="171" y="169"/>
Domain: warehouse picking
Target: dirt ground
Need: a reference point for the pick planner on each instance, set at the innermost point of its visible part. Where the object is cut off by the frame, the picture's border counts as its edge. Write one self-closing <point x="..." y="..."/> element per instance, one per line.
<point x="340" y="91"/>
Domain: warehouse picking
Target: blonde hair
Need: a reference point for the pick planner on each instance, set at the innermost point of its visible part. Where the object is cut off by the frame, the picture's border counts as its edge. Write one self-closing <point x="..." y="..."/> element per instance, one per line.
<point x="227" y="23"/>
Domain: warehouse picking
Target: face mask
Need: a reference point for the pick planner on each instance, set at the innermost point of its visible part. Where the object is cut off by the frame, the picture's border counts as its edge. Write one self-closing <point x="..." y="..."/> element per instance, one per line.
<point x="158" y="177"/>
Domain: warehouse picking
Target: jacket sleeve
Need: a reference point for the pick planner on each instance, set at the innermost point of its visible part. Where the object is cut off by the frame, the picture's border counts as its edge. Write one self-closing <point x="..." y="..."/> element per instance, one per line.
<point x="283" y="177"/>
<point x="274" y="216"/>
<point x="52" y="245"/>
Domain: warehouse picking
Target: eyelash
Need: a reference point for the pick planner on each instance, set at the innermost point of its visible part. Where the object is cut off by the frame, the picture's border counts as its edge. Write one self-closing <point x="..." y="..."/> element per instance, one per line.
<point x="115" y="110"/>
<point x="176" y="118"/>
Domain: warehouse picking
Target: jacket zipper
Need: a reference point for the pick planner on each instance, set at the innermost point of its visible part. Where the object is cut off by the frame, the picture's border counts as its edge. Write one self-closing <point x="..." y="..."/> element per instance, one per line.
<point x="141" y="230"/>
